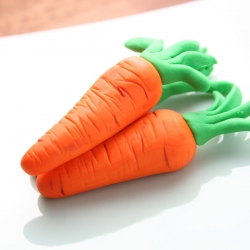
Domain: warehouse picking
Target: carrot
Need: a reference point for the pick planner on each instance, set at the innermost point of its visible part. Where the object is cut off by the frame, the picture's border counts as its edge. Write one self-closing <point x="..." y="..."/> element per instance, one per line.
<point x="120" y="96"/>
<point x="186" y="53"/>
<point x="158" y="142"/>
<point x="150" y="145"/>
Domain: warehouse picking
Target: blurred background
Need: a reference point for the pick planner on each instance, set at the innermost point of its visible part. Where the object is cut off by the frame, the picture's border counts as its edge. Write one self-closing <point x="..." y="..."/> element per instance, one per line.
<point x="25" y="16"/>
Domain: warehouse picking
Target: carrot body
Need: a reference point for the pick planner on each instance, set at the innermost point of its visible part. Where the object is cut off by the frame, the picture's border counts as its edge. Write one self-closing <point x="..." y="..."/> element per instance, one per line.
<point x="120" y="96"/>
<point x="156" y="143"/>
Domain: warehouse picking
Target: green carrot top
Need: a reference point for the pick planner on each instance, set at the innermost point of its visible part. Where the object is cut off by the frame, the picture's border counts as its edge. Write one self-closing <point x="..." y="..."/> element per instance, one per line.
<point x="184" y="64"/>
<point x="184" y="67"/>
<point x="226" y="115"/>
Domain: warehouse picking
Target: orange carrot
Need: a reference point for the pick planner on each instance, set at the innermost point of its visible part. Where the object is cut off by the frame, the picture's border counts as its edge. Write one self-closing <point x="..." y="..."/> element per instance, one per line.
<point x="158" y="142"/>
<point x="120" y="96"/>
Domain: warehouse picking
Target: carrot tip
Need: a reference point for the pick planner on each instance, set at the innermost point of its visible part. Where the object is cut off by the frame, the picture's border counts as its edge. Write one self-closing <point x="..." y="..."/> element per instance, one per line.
<point x="28" y="164"/>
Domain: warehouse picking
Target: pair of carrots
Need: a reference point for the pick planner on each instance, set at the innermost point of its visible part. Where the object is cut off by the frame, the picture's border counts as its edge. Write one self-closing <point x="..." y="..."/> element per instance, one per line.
<point x="111" y="136"/>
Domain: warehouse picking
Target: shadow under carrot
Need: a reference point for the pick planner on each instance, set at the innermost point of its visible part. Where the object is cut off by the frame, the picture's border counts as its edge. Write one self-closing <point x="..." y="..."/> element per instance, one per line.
<point x="112" y="208"/>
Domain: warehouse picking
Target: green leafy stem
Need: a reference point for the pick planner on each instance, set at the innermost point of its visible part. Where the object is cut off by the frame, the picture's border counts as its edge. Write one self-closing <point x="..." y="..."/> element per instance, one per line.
<point x="225" y="115"/>
<point x="183" y="67"/>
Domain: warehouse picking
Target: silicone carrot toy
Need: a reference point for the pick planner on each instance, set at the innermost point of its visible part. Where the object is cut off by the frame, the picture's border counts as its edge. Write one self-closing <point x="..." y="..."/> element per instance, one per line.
<point x="151" y="50"/>
<point x="120" y="96"/>
<point x="158" y="142"/>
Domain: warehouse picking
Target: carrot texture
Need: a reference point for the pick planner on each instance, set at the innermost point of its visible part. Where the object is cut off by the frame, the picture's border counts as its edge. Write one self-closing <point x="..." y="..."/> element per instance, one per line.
<point x="158" y="142"/>
<point x="120" y="96"/>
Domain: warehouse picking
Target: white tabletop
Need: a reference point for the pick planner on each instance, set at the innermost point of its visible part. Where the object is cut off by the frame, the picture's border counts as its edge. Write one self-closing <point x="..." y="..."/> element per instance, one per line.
<point x="42" y="75"/>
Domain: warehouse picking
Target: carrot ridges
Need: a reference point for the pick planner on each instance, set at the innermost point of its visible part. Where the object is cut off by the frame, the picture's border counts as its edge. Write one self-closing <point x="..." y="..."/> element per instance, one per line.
<point x="51" y="185"/>
<point x="120" y="90"/>
<point x="144" y="87"/>
<point x="166" y="157"/>
<point x="124" y="157"/>
<point x="62" y="191"/>
<point x="118" y="98"/>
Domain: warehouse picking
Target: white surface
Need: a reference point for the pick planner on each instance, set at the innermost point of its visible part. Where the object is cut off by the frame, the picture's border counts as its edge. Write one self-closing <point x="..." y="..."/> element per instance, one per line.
<point x="205" y="206"/>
